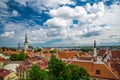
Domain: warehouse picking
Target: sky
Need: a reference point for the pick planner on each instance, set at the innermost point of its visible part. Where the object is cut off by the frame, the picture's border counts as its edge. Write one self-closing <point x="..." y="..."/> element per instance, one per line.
<point x="59" y="22"/>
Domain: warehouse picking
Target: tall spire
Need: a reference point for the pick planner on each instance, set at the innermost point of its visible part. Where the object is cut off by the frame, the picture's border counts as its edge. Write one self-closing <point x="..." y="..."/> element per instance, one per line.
<point x="26" y="38"/>
<point x="94" y="43"/>
<point x="26" y="43"/>
<point x="95" y="50"/>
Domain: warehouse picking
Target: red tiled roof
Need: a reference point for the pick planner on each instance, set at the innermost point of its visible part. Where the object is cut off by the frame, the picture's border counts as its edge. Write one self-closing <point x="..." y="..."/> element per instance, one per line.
<point x="23" y="66"/>
<point x="115" y="53"/>
<point x="67" y="54"/>
<point x="4" y="72"/>
<point x="91" y="67"/>
<point x="101" y="52"/>
<point x="39" y="61"/>
<point x="85" y="58"/>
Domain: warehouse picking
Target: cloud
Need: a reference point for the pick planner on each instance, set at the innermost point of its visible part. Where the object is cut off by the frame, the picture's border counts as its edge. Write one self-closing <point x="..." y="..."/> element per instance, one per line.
<point x="68" y="12"/>
<point x="3" y="4"/>
<point x="7" y="34"/>
<point x="14" y="13"/>
<point x="22" y="2"/>
<point x="77" y="25"/>
<point x="83" y="0"/>
<point x="57" y="22"/>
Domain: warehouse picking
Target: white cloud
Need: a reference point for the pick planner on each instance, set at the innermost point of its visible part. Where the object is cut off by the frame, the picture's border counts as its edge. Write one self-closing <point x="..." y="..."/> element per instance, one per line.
<point x="3" y="5"/>
<point x="39" y="5"/>
<point x="83" y="0"/>
<point x="22" y="2"/>
<point x="7" y="34"/>
<point x="67" y="12"/>
<point x="94" y="19"/>
<point x="14" y="13"/>
<point x="58" y="22"/>
<point x="55" y="3"/>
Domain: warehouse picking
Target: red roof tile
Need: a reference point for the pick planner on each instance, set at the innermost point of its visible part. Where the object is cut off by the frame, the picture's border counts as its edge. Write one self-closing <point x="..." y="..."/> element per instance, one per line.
<point x="4" y="72"/>
<point x="115" y="53"/>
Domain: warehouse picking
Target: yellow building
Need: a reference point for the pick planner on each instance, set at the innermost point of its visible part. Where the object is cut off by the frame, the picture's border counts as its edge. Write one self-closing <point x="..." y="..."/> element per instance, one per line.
<point x="7" y="75"/>
<point x="1" y="64"/>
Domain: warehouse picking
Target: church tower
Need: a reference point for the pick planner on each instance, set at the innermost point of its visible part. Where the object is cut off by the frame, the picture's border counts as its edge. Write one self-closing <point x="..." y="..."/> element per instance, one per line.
<point x="95" y="50"/>
<point x="26" y="43"/>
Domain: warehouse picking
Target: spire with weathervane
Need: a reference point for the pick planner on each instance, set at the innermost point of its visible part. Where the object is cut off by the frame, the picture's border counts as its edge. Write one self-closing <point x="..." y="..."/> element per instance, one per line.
<point x="26" y="43"/>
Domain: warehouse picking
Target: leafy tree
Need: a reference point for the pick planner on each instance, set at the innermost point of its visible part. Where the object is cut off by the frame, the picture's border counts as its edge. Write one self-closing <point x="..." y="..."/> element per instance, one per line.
<point x="53" y="51"/>
<point x="45" y="52"/>
<point x="37" y="50"/>
<point x="77" y="73"/>
<point x="60" y="71"/>
<point x="22" y="56"/>
<point x="56" y="68"/>
<point x="35" y="73"/>
<point x="14" y="57"/>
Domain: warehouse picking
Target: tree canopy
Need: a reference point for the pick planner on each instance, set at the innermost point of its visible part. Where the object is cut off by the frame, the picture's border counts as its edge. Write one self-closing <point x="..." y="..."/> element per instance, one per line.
<point x="18" y="57"/>
<point x="35" y="73"/>
<point x="58" y="70"/>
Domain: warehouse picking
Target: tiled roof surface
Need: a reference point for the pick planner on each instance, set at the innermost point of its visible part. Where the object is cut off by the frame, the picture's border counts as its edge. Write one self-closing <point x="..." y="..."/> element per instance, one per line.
<point x="115" y="53"/>
<point x="39" y="61"/>
<point x="67" y="54"/>
<point x="4" y="72"/>
<point x="105" y="70"/>
<point x="101" y="52"/>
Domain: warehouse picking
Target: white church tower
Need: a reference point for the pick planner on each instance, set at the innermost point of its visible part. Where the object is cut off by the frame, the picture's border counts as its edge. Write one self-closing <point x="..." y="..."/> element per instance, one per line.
<point x="26" y="43"/>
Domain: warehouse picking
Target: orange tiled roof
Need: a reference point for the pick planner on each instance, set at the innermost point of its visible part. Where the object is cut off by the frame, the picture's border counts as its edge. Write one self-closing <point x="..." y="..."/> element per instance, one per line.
<point x="10" y="52"/>
<point x="91" y="67"/>
<point x="115" y="53"/>
<point x="48" y="55"/>
<point x="85" y="58"/>
<point x="67" y="54"/>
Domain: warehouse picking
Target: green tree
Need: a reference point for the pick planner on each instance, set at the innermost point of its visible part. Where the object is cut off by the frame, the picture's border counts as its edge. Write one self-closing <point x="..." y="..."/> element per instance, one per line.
<point x="77" y="73"/>
<point x="56" y="68"/>
<point x="14" y="57"/>
<point x="53" y="51"/>
<point x="37" y="50"/>
<point x="23" y="56"/>
<point x="60" y="71"/>
<point x="35" y="73"/>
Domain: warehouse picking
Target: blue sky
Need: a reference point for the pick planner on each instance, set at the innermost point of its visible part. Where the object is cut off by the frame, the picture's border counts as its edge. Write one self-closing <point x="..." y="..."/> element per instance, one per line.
<point x="59" y="22"/>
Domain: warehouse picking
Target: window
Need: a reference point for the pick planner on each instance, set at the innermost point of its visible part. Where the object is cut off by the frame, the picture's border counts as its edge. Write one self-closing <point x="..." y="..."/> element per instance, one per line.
<point x="97" y="71"/>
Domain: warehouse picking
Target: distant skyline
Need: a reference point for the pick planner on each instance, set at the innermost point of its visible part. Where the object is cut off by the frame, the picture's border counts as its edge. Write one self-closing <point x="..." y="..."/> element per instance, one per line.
<point x="59" y="22"/>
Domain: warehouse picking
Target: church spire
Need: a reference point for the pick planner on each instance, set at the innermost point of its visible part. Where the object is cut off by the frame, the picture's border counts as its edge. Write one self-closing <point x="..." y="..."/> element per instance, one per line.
<point x="94" y="43"/>
<point x="95" y="50"/>
<point x="26" y="38"/>
<point x="26" y="43"/>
